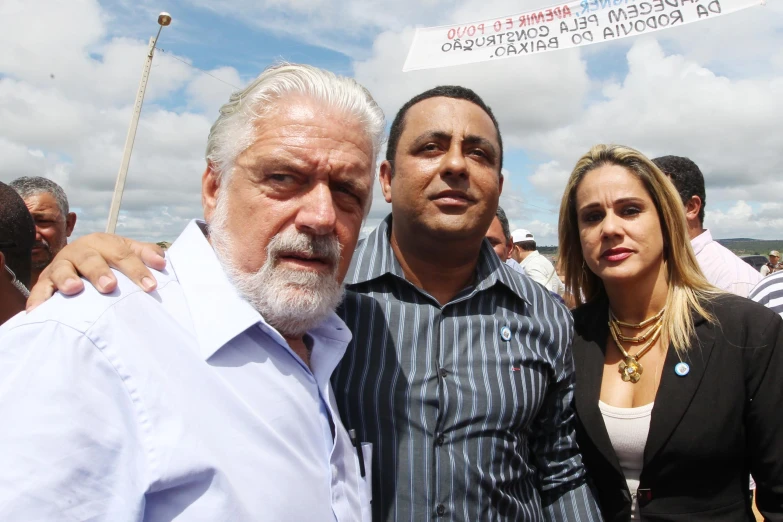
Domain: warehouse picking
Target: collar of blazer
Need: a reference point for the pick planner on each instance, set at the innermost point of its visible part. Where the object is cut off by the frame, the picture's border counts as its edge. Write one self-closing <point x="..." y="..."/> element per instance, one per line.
<point x="674" y="394"/>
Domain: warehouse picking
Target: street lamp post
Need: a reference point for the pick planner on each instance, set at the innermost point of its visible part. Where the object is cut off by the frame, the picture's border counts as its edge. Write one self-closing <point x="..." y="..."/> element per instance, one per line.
<point x="164" y="19"/>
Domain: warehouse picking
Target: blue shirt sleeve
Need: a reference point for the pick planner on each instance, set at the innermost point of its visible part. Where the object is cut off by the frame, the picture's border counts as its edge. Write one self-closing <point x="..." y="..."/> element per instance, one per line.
<point x="70" y="443"/>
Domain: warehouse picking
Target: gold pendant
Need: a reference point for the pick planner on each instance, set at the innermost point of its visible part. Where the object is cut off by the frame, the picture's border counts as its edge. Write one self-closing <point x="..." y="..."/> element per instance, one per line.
<point x="630" y="370"/>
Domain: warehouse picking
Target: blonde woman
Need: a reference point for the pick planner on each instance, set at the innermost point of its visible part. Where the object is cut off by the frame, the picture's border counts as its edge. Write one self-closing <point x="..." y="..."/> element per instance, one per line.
<point x="679" y="393"/>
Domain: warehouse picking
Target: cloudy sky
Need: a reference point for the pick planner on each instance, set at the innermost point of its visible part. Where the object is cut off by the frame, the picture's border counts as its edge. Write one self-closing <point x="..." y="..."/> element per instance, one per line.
<point x="69" y="70"/>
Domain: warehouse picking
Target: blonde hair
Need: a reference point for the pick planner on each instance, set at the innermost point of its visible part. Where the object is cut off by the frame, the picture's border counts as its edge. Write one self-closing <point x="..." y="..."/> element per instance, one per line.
<point x="688" y="288"/>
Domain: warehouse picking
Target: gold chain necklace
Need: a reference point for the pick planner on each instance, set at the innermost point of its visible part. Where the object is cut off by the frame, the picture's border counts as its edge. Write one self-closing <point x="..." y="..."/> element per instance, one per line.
<point x="637" y="326"/>
<point x="635" y="339"/>
<point x="630" y="368"/>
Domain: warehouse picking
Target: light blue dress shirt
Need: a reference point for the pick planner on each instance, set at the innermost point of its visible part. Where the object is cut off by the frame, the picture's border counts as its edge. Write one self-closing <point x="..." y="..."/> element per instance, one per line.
<point x="182" y="404"/>
<point x="516" y="266"/>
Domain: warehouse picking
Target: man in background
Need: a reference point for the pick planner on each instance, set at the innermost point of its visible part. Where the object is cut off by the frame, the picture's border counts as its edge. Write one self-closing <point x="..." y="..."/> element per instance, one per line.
<point x="54" y="221"/>
<point x="773" y="265"/>
<point x="17" y="235"/>
<point x="499" y="237"/>
<point x="536" y="266"/>
<point x="719" y="264"/>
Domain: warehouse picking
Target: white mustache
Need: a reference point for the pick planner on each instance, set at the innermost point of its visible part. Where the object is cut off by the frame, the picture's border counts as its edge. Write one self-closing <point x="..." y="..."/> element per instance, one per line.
<point x="325" y="248"/>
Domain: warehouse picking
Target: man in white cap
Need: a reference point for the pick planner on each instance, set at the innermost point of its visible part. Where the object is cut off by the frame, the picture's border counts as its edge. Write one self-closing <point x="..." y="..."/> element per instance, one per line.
<point x="536" y="266"/>
<point x="773" y="265"/>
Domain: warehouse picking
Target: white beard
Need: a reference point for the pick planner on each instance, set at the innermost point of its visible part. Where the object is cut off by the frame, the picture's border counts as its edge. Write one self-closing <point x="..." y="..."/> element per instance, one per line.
<point x="290" y="300"/>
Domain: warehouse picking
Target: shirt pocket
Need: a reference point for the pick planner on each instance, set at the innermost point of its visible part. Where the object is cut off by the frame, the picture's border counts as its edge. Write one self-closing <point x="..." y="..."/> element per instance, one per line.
<point x="365" y="482"/>
<point x="525" y="388"/>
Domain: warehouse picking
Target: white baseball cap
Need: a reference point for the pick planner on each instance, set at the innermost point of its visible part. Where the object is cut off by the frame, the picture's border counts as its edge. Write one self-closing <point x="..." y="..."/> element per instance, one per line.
<point x="519" y="235"/>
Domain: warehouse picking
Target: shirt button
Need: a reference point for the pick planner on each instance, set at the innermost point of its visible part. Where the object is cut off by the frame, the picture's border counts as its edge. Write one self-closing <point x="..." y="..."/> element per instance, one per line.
<point x="441" y="440"/>
<point x="505" y="333"/>
<point x="440" y="510"/>
<point x="443" y="372"/>
<point x="335" y="473"/>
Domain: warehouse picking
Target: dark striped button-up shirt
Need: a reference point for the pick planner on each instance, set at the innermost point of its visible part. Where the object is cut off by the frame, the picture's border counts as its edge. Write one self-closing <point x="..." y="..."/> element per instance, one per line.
<point x="468" y="404"/>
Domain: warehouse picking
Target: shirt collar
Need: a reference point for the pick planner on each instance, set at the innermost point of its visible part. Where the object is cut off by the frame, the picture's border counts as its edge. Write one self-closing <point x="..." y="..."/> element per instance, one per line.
<point x="701" y="241"/>
<point x="513" y="263"/>
<point x="530" y="257"/>
<point x="218" y="312"/>
<point x="374" y="258"/>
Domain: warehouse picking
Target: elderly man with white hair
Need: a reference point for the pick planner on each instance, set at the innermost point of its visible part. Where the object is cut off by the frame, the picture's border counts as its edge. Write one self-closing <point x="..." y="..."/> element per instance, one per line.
<point x="209" y="399"/>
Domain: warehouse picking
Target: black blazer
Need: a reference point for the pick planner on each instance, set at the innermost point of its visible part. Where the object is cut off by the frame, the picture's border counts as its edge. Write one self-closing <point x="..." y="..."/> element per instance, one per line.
<point x="708" y="429"/>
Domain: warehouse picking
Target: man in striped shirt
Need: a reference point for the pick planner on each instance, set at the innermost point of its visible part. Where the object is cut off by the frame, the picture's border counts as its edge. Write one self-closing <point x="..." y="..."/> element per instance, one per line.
<point x="460" y="371"/>
<point x="769" y="292"/>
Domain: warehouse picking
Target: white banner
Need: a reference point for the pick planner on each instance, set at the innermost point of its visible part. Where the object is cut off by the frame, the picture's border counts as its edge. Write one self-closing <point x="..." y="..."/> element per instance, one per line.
<point x="574" y="24"/>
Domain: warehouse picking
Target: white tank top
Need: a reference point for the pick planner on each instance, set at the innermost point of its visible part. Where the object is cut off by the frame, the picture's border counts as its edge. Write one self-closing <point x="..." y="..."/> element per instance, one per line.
<point x="628" y="429"/>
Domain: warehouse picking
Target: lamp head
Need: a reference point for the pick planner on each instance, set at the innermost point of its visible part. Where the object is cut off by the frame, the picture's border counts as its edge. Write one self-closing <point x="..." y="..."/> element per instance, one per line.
<point x="164" y="19"/>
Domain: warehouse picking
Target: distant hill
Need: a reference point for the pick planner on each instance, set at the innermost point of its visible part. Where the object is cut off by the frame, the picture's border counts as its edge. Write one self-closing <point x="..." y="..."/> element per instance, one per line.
<point x="746" y="246"/>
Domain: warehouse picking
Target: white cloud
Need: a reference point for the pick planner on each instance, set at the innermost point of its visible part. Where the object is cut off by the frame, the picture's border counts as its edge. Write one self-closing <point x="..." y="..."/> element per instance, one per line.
<point x="542" y="231"/>
<point x="522" y="215"/>
<point x="550" y="178"/>
<point x="66" y="93"/>
<point x="341" y="25"/>
<point x="538" y="93"/>
<point x="57" y="45"/>
<point x="742" y="221"/>
<point x="743" y="44"/>
<point x="668" y="104"/>
<point x="206" y="94"/>
<point x="19" y="159"/>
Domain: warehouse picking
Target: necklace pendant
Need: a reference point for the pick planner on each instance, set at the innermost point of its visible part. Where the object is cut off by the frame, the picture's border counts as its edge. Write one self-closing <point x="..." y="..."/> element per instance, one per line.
<point x="630" y="370"/>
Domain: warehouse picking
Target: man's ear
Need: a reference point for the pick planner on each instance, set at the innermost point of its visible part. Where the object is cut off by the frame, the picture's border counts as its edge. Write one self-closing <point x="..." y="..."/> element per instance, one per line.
<point x="70" y="222"/>
<point x="692" y="208"/>
<point x="385" y="177"/>
<point x="509" y="248"/>
<point x="210" y="185"/>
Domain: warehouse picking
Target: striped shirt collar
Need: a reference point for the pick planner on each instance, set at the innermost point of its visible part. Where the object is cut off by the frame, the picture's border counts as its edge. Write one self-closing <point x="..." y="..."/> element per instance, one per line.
<point x="374" y="258"/>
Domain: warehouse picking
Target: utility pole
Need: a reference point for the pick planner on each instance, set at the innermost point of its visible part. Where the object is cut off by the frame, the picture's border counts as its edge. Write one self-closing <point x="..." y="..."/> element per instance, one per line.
<point x="164" y="19"/>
